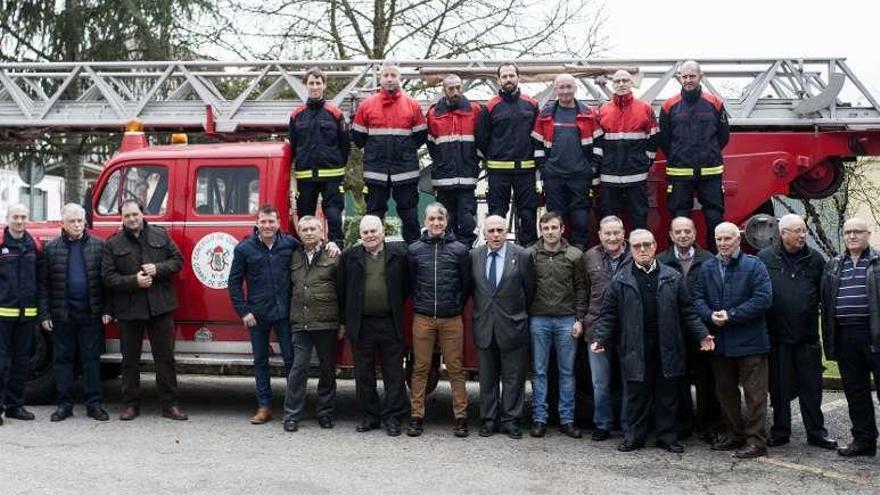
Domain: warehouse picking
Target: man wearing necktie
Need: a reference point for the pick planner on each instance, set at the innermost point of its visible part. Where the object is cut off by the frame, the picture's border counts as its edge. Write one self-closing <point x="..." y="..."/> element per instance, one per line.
<point x="504" y="285"/>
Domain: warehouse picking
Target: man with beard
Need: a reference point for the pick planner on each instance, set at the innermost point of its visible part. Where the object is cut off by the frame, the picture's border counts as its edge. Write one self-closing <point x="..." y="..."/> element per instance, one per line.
<point x="505" y="141"/>
<point x="452" y="128"/>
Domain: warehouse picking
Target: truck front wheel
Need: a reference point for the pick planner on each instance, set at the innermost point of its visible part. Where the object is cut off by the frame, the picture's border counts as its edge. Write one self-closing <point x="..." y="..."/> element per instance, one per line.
<point x="41" y="384"/>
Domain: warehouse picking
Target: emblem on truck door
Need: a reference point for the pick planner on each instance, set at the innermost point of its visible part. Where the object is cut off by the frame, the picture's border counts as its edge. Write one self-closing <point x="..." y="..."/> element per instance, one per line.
<point x="212" y="258"/>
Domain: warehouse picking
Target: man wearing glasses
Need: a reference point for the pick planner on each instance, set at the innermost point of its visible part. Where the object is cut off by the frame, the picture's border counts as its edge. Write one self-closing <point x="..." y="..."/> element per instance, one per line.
<point x="851" y="330"/>
<point x="645" y="309"/>
<point x="793" y="323"/>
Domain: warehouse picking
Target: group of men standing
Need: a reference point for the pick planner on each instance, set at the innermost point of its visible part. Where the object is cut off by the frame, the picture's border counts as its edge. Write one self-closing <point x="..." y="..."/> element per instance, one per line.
<point x="732" y="319"/>
<point x="570" y="146"/>
<point x="73" y="286"/>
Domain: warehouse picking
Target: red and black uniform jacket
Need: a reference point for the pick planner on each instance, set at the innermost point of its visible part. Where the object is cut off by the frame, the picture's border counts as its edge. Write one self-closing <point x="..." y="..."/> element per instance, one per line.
<point x="504" y="132"/>
<point x="452" y="143"/>
<point x="320" y="141"/>
<point x="390" y="128"/>
<point x="588" y="126"/>
<point x="18" y="276"/>
<point x="693" y="131"/>
<point x="629" y="140"/>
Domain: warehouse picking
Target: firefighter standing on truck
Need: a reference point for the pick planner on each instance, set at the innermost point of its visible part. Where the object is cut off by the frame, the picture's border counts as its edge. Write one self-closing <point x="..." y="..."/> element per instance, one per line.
<point x="693" y="131"/>
<point x="390" y="128"/>
<point x="320" y="143"/>
<point x="505" y="135"/>
<point x="628" y="145"/>
<point x="564" y="133"/>
<point x="452" y="127"/>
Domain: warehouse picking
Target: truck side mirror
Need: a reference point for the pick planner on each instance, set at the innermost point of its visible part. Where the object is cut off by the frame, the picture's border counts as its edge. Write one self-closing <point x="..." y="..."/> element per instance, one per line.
<point x="87" y="205"/>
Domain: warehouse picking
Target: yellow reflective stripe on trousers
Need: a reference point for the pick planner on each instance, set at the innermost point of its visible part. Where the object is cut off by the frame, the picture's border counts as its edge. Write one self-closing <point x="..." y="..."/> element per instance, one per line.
<point x="16" y="312"/>
<point x="322" y="173"/>
<point x="689" y="172"/>
<point x="506" y="165"/>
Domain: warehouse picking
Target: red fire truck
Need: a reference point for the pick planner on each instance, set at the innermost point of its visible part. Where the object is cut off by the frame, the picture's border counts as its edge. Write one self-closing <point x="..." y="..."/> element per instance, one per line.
<point x="794" y="142"/>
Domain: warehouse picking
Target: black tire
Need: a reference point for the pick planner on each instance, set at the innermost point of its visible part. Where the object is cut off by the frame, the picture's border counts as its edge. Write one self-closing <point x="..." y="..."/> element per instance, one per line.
<point x="409" y="363"/>
<point x="42" y="382"/>
<point x="583" y="381"/>
<point x="110" y="371"/>
<point x="433" y="374"/>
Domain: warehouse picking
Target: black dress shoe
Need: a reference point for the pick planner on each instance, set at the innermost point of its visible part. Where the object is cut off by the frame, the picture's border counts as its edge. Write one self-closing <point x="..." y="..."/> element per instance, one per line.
<point x="488" y="429"/>
<point x="325" y="422"/>
<point x="570" y="430"/>
<point x="291" y="425"/>
<point x="512" y="431"/>
<point x="600" y="435"/>
<point x="822" y="443"/>
<point x="539" y="429"/>
<point x="129" y="413"/>
<point x="855" y="449"/>
<point x="728" y="443"/>
<point x="674" y="447"/>
<point x="461" y="428"/>
<point x="415" y="427"/>
<point x="628" y="447"/>
<point x="19" y="413"/>
<point x="367" y="425"/>
<point x="174" y="412"/>
<point x="777" y="441"/>
<point x="61" y="414"/>
<point x="750" y="452"/>
<point x="97" y="413"/>
<point x="392" y="428"/>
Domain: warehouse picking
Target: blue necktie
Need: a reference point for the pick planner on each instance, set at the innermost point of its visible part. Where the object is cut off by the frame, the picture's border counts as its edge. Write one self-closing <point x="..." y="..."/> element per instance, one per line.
<point x="493" y="270"/>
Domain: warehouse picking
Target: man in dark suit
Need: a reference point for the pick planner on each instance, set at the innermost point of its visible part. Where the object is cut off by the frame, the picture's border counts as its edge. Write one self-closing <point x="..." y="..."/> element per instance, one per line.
<point x="504" y="282"/>
<point x="375" y="278"/>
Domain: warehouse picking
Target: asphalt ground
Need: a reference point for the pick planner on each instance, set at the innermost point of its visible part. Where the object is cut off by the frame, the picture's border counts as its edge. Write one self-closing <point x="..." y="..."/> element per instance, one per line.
<point x="219" y="451"/>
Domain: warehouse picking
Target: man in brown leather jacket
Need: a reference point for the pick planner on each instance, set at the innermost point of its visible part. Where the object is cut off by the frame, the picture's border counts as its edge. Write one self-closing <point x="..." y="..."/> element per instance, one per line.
<point x="138" y="266"/>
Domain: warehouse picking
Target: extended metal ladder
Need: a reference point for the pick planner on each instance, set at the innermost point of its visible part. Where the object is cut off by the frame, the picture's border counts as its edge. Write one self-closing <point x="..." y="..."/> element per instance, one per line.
<point x="257" y="96"/>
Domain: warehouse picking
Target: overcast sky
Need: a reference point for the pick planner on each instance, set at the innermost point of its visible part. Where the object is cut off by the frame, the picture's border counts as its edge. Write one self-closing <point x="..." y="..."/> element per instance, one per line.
<point x="749" y="28"/>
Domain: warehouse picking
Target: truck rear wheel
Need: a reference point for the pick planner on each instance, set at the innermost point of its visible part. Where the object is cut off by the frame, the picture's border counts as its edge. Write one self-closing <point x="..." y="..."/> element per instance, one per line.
<point x="41" y="385"/>
<point x="409" y="362"/>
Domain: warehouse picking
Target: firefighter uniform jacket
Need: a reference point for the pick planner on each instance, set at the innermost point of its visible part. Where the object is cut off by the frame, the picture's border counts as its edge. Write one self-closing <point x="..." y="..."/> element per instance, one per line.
<point x="693" y="131"/>
<point x="320" y="141"/>
<point x="452" y="143"/>
<point x="18" y="277"/>
<point x="628" y="142"/>
<point x="504" y="132"/>
<point x="390" y="128"/>
<point x="588" y="127"/>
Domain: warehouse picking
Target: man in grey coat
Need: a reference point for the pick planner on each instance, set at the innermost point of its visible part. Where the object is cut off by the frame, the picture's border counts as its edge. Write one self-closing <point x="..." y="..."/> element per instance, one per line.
<point x="504" y="282"/>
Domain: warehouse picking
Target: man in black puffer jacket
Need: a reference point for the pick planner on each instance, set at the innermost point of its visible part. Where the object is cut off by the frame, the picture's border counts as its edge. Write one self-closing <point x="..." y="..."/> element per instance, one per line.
<point x="71" y="306"/>
<point x="440" y="277"/>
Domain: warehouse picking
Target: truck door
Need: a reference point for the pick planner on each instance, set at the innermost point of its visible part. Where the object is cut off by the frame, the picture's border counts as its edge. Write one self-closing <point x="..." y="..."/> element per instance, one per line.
<point x="221" y="207"/>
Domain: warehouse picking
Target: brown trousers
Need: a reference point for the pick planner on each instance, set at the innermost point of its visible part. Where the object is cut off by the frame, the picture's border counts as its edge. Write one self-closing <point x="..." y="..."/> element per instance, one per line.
<point x="449" y="331"/>
<point x="752" y="372"/>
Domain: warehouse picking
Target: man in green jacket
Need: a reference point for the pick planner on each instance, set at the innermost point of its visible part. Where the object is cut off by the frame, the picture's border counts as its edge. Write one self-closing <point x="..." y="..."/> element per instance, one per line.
<point x="556" y="313"/>
<point x="315" y="323"/>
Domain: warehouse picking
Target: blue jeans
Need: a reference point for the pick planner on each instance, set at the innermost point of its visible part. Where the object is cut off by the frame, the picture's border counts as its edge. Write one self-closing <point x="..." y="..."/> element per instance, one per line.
<point x="553" y="332"/>
<point x="88" y="337"/>
<point x="260" y="346"/>
<point x="603" y="400"/>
